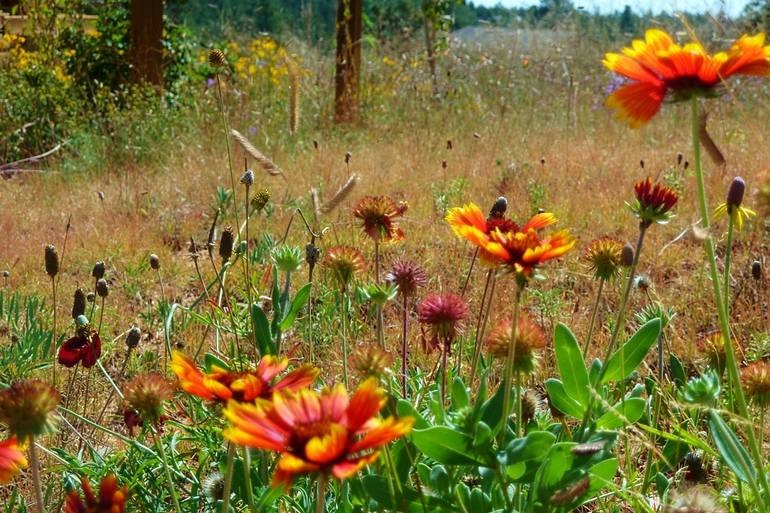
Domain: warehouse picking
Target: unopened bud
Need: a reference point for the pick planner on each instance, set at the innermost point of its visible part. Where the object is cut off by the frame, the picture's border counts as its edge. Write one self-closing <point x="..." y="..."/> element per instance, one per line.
<point x="627" y="255"/>
<point x="98" y="270"/>
<point x="51" y="261"/>
<point x="735" y="193"/>
<point x="102" y="289"/>
<point x="78" y="303"/>
<point x="154" y="261"/>
<point x="133" y="337"/>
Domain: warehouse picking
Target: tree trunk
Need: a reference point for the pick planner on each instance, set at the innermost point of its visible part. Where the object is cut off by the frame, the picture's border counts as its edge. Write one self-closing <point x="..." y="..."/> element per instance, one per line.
<point x="348" y="65"/>
<point x="146" y="41"/>
<point x="429" y="36"/>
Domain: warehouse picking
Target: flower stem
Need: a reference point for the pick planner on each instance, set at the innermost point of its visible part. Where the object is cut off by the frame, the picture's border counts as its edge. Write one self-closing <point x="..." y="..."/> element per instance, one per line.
<point x="593" y="319"/>
<point x="247" y="478"/>
<point x="226" y="126"/>
<point x="481" y="321"/>
<point x="344" y="298"/>
<point x="732" y="364"/>
<point x="404" y="355"/>
<point x="228" y="477"/>
<point x="53" y="334"/>
<point x="321" y="493"/>
<point x="35" y="464"/>
<point x="509" y="363"/>
<point x="728" y="262"/>
<point x="164" y="460"/>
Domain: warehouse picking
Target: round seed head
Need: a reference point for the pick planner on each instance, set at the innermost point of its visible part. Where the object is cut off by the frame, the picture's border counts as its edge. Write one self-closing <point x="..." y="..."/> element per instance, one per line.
<point x="27" y="408"/>
<point x="146" y="394"/>
<point x="51" y="261"/>
<point x="90" y="297"/>
<point x="6" y="273"/>
<point x="756" y="270"/>
<point x="217" y="58"/>
<point x="348" y="156"/>
<point x="98" y="270"/>
<point x="154" y="261"/>
<point x="312" y="254"/>
<point x="133" y="337"/>
<point x="78" y="303"/>
<point x="260" y="199"/>
<point x="735" y="193"/>
<point x="226" y="241"/>
<point x="627" y="255"/>
<point x="102" y="289"/>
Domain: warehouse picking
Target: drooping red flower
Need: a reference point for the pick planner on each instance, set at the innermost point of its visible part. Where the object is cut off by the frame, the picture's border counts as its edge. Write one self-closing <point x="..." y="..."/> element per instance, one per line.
<point x="111" y="499"/>
<point x="378" y="215"/>
<point x="223" y="385"/>
<point x="442" y="313"/>
<point x="84" y="348"/>
<point x="325" y="432"/>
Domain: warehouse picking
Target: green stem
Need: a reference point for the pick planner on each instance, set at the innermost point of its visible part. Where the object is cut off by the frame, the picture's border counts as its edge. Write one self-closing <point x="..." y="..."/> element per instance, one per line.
<point x="520" y="431"/>
<point x="509" y="363"/>
<point x="481" y="321"/>
<point x="247" y="479"/>
<point x="593" y="319"/>
<point x="226" y="126"/>
<point x="321" y="493"/>
<point x="167" y="469"/>
<point x="345" y="339"/>
<point x="732" y="364"/>
<point x="728" y="260"/>
<point x="53" y="334"/>
<point x="35" y="463"/>
<point x="228" y="477"/>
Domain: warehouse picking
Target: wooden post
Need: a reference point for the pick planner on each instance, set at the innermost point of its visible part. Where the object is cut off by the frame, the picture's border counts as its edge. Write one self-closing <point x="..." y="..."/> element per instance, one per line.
<point x="348" y="62"/>
<point x="146" y="41"/>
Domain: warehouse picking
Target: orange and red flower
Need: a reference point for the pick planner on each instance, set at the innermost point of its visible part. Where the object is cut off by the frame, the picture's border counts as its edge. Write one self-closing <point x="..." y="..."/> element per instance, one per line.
<point x="324" y="432"/>
<point x="658" y="67"/>
<point x="84" y="348"/>
<point x="378" y="214"/>
<point x="503" y="242"/>
<point x="12" y="460"/>
<point x="653" y="202"/>
<point x="111" y="499"/>
<point x="223" y="385"/>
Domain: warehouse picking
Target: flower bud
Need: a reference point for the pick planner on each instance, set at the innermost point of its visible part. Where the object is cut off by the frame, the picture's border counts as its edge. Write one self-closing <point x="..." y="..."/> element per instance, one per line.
<point x="248" y="178"/>
<point x="735" y="193"/>
<point x="756" y="270"/>
<point x="51" y="261"/>
<point x="154" y="261"/>
<point x="627" y="256"/>
<point x="78" y="303"/>
<point x="98" y="270"/>
<point x="133" y="337"/>
<point x="217" y="58"/>
<point x="226" y="241"/>
<point x="102" y="289"/>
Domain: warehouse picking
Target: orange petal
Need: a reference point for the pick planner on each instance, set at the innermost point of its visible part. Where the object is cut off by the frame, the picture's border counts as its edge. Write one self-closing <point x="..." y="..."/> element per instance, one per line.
<point x="329" y="447"/>
<point x="349" y="468"/>
<point x="637" y="103"/>
<point x="290" y="466"/>
<point x="467" y="216"/>
<point x="364" y="404"/>
<point x="388" y="430"/>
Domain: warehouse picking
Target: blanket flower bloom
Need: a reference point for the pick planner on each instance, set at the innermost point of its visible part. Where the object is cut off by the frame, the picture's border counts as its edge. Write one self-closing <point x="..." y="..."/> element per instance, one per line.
<point x="653" y="202"/>
<point x="378" y="216"/>
<point x="12" y="460"/>
<point x="658" y="68"/>
<point x="111" y="499"/>
<point x="503" y="242"/>
<point x="325" y="432"/>
<point x="223" y="385"/>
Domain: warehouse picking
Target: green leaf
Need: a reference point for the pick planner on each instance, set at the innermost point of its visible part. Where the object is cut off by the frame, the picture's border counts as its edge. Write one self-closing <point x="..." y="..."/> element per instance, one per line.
<point x="731" y="449"/>
<point x="262" y="331"/>
<point x="460" y="398"/>
<point x="446" y="446"/>
<point x="299" y="301"/>
<point x="210" y="361"/>
<point x="405" y="409"/>
<point x="629" y="410"/>
<point x="524" y="455"/>
<point x="571" y="366"/>
<point x="627" y="358"/>
<point x="559" y="398"/>
<point x="492" y="411"/>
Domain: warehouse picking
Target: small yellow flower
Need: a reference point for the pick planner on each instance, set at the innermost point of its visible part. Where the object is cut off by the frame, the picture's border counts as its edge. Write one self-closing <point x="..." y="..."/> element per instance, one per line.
<point x="739" y="214"/>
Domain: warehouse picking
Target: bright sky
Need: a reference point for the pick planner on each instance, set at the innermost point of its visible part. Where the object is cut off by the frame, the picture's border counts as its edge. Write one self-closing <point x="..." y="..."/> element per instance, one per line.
<point x="732" y="7"/>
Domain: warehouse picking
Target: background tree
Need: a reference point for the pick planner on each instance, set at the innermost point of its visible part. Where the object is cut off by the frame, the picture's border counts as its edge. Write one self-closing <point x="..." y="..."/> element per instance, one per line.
<point x="147" y="41"/>
<point x="348" y="60"/>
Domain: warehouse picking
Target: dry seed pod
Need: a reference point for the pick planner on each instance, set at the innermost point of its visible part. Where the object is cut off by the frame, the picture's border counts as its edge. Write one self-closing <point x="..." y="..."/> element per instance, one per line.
<point x="226" y="242"/>
<point x="217" y="58"/>
<point x="51" y="261"/>
<point x="98" y="270"/>
<point x="102" y="289"/>
<point x="133" y="337"/>
<point x="627" y="255"/>
<point x="78" y="303"/>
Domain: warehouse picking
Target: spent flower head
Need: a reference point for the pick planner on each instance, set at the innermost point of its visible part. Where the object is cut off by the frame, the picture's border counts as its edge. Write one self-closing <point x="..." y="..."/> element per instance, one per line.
<point x="527" y="341"/>
<point x="378" y="215"/>
<point x="442" y="314"/>
<point x="605" y="258"/>
<point x="345" y="263"/>
<point x="27" y="409"/>
<point x="370" y="361"/>
<point x="408" y="275"/>
<point x="146" y="394"/>
<point x="755" y="380"/>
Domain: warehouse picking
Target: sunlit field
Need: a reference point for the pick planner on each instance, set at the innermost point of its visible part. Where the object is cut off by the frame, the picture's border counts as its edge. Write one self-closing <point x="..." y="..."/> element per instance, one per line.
<point x="217" y="297"/>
